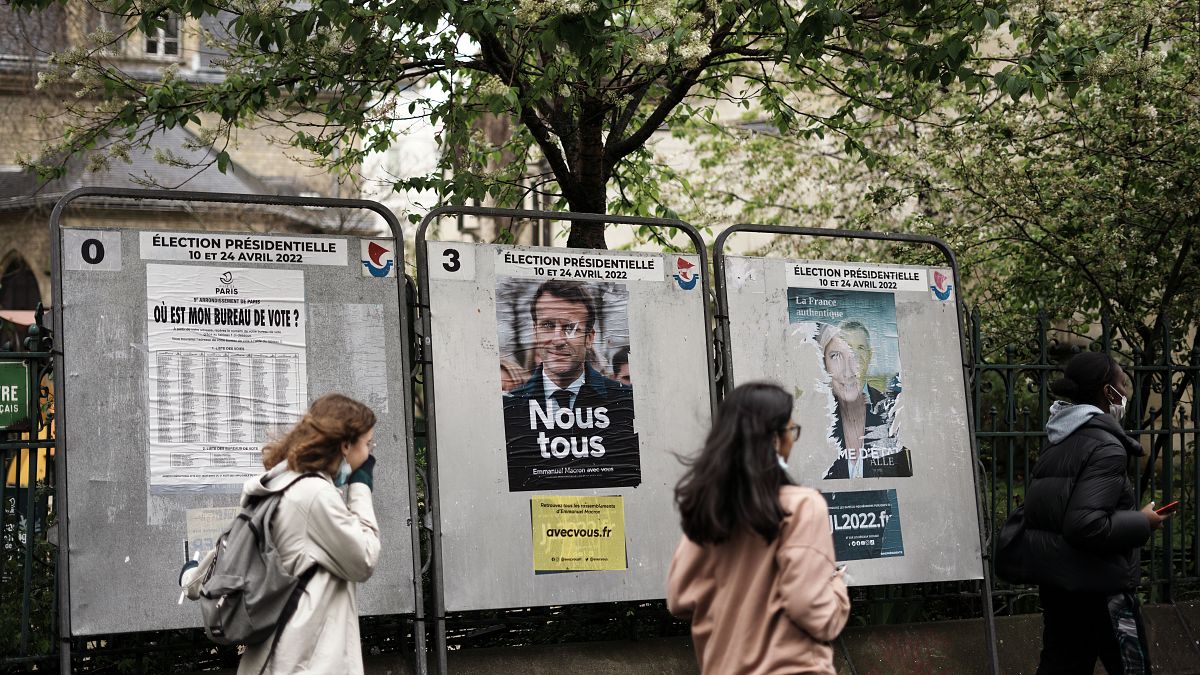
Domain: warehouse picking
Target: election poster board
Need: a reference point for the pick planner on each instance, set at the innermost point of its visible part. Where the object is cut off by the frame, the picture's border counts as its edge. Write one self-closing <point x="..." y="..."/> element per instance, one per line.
<point x="183" y="353"/>
<point x="872" y="355"/>
<point x="565" y="382"/>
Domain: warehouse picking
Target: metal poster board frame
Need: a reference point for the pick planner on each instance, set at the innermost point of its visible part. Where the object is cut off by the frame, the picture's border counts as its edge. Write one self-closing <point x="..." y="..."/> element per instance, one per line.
<point x="726" y="359"/>
<point x="61" y="381"/>
<point x="426" y="354"/>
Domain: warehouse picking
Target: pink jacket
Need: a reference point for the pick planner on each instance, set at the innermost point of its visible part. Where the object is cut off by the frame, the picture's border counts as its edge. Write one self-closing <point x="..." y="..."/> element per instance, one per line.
<point x="764" y="608"/>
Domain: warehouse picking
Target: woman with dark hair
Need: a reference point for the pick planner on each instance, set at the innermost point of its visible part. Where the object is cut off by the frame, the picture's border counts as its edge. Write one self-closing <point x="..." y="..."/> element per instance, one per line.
<point x="317" y="528"/>
<point x="755" y="570"/>
<point x="1083" y="529"/>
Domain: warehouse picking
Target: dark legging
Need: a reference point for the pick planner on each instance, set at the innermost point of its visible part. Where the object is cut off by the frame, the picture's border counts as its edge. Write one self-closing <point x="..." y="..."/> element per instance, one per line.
<point x="1079" y="628"/>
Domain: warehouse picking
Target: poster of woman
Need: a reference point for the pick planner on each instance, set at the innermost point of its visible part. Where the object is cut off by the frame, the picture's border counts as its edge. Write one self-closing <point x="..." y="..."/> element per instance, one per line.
<point x="855" y="333"/>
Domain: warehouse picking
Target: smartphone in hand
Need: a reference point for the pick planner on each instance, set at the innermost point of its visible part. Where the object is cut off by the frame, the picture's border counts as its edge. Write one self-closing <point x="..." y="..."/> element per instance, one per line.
<point x="1167" y="509"/>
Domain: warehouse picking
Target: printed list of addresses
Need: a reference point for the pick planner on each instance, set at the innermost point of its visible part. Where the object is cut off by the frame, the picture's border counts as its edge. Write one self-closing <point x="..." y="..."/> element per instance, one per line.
<point x="240" y="399"/>
<point x="227" y="370"/>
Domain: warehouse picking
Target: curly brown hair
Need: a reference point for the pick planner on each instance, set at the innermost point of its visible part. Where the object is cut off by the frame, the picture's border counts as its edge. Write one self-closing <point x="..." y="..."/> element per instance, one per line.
<point x="317" y="438"/>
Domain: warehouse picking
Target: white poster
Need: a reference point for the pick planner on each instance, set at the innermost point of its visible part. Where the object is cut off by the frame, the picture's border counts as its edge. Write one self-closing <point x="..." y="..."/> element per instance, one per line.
<point x="226" y="370"/>
<point x="244" y="248"/>
<point x="861" y="277"/>
<point x="204" y="528"/>
<point x="580" y="266"/>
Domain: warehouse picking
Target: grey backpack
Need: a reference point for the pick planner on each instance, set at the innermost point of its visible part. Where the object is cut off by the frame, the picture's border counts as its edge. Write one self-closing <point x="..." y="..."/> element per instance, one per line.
<point x="246" y="594"/>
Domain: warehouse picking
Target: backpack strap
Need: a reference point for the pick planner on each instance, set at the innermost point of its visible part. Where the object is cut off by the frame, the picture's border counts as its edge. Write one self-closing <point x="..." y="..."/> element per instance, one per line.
<point x="280" y="491"/>
<point x="290" y="607"/>
<point x="263" y="529"/>
<point x="288" y="610"/>
<point x="299" y="478"/>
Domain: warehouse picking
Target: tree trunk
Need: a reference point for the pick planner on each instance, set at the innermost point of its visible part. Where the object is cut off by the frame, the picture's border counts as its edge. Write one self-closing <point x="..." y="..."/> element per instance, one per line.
<point x="591" y="193"/>
<point x="583" y="234"/>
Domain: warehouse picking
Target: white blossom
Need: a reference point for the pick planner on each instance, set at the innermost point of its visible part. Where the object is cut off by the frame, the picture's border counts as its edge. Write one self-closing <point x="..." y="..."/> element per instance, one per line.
<point x="492" y="86"/>
<point x="652" y="53"/>
<point x="532" y="11"/>
<point x="693" y="49"/>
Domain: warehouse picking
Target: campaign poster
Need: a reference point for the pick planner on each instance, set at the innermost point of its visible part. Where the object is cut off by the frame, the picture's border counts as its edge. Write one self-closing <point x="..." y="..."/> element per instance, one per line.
<point x="226" y="371"/>
<point x="858" y="346"/>
<point x="578" y="533"/>
<point x="865" y="524"/>
<point x="567" y="391"/>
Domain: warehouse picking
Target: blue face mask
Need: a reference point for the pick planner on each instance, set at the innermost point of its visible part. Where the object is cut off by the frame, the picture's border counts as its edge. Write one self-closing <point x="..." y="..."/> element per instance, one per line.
<point x="343" y="473"/>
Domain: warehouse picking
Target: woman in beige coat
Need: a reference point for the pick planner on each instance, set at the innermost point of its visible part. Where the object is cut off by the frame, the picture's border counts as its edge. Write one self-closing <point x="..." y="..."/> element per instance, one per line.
<point x="315" y="525"/>
<point x="755" y="571"/>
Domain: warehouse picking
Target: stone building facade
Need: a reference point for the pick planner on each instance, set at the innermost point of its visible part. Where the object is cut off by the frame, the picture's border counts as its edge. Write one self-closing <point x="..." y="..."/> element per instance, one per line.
<point x="31" y="117"/>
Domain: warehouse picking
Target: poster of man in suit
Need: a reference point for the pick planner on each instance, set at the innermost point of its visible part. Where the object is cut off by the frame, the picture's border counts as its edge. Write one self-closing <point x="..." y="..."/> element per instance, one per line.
<point x="855" y="332"/>
<point x="568" y="419"/>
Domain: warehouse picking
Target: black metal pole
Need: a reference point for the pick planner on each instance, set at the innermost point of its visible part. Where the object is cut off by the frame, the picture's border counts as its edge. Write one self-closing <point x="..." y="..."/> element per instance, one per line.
<point x="61" y="500"/>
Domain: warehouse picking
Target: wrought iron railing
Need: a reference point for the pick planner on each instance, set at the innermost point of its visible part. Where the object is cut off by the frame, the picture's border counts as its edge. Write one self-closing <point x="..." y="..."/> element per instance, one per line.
<point x="28" y="555"/>
<point x="1012" y="401"/>
<point x="1011" y="397"/>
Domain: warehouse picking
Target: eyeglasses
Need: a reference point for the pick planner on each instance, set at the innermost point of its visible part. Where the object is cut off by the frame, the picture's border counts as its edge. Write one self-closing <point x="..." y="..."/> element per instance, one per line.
<point x="569" y="329"/>
<point x="793" y="430"/>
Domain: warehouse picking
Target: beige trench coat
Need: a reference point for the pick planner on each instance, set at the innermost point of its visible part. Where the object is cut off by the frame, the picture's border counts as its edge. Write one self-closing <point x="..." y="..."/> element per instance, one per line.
<point x="315" y="525"/>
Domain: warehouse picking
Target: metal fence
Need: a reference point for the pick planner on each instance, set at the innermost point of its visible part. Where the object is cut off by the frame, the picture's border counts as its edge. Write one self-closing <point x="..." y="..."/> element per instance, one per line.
<point x="28" y="568"/>
<point x="1011" y="397"/>
<point x="1012" y="401"/>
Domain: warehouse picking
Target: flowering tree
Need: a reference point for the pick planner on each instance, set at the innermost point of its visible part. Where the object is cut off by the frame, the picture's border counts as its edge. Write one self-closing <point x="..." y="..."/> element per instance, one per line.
<point x="589" y="81"/>
<point x="1086" y="205"/>
<point x="1078" y="203"/>
<point x="1071" y="194"/>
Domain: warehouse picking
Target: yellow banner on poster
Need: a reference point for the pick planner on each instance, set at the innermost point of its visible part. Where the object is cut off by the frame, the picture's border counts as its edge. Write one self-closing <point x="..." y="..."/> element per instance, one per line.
<point x="578" y="533"/>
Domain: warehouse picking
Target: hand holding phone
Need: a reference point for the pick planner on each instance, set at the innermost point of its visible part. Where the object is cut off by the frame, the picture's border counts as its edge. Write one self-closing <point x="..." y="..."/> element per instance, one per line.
<point x="1167" y="509"/>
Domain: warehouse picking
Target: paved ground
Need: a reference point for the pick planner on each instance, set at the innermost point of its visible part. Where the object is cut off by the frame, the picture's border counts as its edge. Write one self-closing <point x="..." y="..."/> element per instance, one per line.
<point x="949" y="648"/>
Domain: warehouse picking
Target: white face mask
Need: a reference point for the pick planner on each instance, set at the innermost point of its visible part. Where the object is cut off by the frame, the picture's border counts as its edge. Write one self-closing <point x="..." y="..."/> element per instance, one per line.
<point x="1117" y="410"/>
<point x="343" y="473"/>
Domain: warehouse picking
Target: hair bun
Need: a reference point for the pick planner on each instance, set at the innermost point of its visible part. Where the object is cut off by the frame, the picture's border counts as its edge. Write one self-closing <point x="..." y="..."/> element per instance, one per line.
<point x="1085" y="376"/>
<point x="1065" y="388"/>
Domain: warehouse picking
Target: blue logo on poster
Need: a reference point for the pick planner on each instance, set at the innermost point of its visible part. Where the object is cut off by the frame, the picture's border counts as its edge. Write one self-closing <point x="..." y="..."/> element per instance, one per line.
<point x="375" y="265"/>
<point x="684" y="276"/>
<point x="941" y="286"/>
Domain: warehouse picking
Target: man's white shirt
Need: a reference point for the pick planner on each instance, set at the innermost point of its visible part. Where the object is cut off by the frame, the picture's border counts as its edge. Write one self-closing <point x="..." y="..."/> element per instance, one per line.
<point x="550" y="389"/>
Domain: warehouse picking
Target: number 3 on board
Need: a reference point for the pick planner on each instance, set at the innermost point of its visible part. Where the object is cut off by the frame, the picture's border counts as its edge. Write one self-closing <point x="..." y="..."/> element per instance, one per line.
<point x="452" y="263"/>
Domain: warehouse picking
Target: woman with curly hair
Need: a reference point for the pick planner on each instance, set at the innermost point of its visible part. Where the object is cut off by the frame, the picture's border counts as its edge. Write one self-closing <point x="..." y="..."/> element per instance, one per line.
<point x="320" y="531"/>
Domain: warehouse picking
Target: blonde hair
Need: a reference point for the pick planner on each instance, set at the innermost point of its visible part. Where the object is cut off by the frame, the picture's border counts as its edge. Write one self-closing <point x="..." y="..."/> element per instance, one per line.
<point x="317" y="438"/>
<point x="825" y="334"/>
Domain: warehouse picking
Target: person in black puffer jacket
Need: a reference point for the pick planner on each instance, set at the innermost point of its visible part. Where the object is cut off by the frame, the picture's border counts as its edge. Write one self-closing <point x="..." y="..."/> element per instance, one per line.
<point x="1083" y="528"/>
